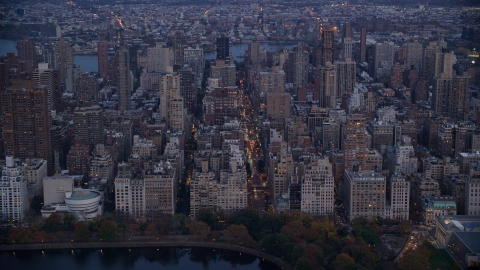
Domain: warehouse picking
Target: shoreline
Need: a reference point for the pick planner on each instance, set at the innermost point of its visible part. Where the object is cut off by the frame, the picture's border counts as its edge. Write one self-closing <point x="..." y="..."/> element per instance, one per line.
<point x="135" y="244"/>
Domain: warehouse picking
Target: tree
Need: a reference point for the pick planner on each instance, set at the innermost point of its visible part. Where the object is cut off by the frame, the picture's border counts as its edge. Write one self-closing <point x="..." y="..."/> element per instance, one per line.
<point x="69" y="221"/>
<point x="39" y="236"/>
<point x="342" y="261"/>
<point x="250" y="219"/>
<point x="269" y="225"/>
<point x="108" y="230"/>
<point x="151" y="230"/>
<point x="199" y="228"/>
<point x="20" y="235"/>
<point x="294" y="230"/>
<point x="303" y="264"/>
<point x="52" y="223"/>
<point x="179" y="224"/>
<point x="413" y="261"/>
<point x="325" y="227"/>
<point x="240" y="234"/>
<point x="364" y="257"/>
<point x="80" y="232"/>
<point x="274" y="244"/>
<point x="132" y="229"/>
<point x="207" y="216"/>
<point x="314" y="254"/>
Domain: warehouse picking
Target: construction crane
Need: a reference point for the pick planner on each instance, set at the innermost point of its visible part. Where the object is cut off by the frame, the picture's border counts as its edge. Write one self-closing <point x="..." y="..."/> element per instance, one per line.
<point x="315" y="15"/>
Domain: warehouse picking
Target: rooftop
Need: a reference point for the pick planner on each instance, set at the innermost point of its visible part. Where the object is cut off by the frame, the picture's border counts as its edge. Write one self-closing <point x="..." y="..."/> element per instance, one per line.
<point x="83" y="195"/>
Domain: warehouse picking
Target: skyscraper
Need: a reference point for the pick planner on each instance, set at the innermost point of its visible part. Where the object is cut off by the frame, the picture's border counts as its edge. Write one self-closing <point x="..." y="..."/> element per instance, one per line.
<point x="27" y="122"/>
<point x="383" y="58"/>
<point x="363" y="194"/>
<point x="347" y="43"/>
<point x="328" y="86"/>
<point x="178" y="49"/>
<point x="45" y="76"/>
<point x="194" y="59"/>
<point x="346" y="77"/>
<point x="317" y="188"/>
<point x="64" y="57"/>
<point x="363" y="45"/>
<point x="26" y="50"/>
<point x="103" y="57"/>
<point x="414" y="55"/>
<point x="124" y="80"/>
<point x="87" y="87"/>
<point x="327" y="44"/>
<point x="223" y="49"/>
<point x="187" y="89"/>
<point x="13" y="192"/>
<point x="89" y="125"/>
<point x="354" y="145"/>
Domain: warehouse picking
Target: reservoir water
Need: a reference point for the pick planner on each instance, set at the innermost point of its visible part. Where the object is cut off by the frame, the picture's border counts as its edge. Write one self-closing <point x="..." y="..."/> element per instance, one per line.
<point x="134" y="259"/>
<point x="89" y="62"/>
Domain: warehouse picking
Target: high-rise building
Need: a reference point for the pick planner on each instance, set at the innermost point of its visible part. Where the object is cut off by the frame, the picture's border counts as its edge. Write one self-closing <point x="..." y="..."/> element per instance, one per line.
<point x="346" y="77"/>
<point x="159" y="58"/>
<point x="472" y="192"/>
<point x="226" y="191"/>
<point x="223" y="47"/>
<point x="347" y="43"/>
<point x="429" y="60"/>
<point x="414" y="55"/>
<point x="383" y="134"/>
<point x="451" y="96"/>
<point x="194" y="59"/>
<point x="78" y="159"/>
<point x="331" y="135"/>
<point x="102" y="164"/>
<point x="27" y="122"/>
<point x="278" y="105"/>
<point x="161" y="185"/>
<point x="89" y="125"/>
<point x="327" y="44"/>
<point x="363" y="45"/>
<point x="103" y="57"/>
<point x="317" y="188"/>
<point x="64" y="57"/>
<point x="188" y="90"/>
<point x="87" y="87"/>
<point x="399" y="197"/>
<point x="354" y="144"/>
<point x="455" y="187"/>
<point x="271" y="82"/>
<point x="328" y="86"/>
<point x="45" y="76"/>
<point x="254" y="49"/>
<point x="283" y="167"/>
<point x="176" y="114"/>
<point x="299" y="60"/>
<point x="220" y="104"/>
<point x="26" y="50"/>
<point x="405" y="161"/>
<point x="384" y="53"/>
<point x="13" y="192"/>
<point x="124" y="77"/>
<point x="169" y="86"/>
<point x="178" y="49"/>
<point x="363" y="194"/>
<point x="34" y="170"/>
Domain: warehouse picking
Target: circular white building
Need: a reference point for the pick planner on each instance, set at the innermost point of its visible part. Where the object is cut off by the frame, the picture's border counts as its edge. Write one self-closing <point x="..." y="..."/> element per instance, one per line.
<point x="84" y="203"/>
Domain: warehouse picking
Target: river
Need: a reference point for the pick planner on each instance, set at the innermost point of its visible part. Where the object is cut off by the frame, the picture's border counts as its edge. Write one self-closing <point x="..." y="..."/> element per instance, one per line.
<point x="89" y="62"/>
<point x="135" y="258"/>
